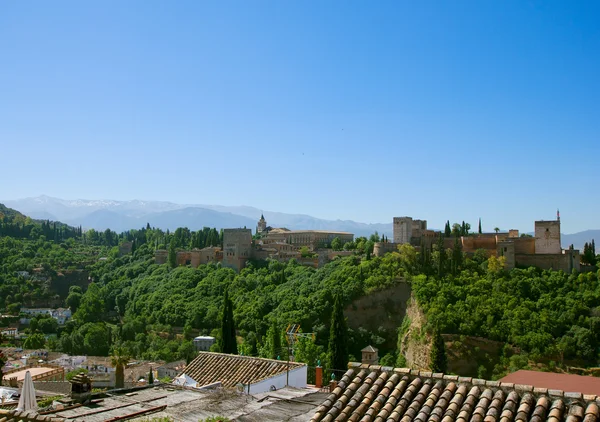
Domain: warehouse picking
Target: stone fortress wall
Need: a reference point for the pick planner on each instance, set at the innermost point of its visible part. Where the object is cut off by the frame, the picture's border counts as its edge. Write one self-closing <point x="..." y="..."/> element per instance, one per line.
<point x="277" y="244"/>
<point x="543" y="250"/>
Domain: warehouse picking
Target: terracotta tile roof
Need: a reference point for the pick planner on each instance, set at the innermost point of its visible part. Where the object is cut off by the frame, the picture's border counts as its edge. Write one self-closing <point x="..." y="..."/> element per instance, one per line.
<point x="375" y="394"/>
<point x="567" y="382"/>
<point x="230" y="370"/>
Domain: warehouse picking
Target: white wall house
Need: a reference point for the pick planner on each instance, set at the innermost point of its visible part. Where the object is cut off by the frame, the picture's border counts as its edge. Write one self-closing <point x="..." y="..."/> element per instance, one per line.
<point x="297" y="379"/>
<point x="61" y="315"/>
<point x="204" y="342"/>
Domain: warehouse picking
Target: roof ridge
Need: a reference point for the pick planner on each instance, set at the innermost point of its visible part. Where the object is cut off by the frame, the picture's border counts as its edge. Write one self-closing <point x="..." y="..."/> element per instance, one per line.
<point x="283" y="362"/>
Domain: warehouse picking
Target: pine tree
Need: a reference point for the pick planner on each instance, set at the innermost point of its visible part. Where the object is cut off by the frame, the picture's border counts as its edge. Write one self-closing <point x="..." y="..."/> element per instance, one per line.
<point x="437" y="354"/>
<point x="338" y="337"/>
<point x="480" y="226"/>
<point x="228" y="339"/>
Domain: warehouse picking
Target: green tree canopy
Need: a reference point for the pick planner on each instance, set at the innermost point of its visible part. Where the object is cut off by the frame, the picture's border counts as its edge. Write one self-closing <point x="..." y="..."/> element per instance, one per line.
<point x="35" y="341"/>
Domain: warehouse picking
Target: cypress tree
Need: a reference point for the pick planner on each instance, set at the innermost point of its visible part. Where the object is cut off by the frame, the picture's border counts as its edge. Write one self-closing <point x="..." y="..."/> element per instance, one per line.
<point x="437" y="354"/>
<point x="442" y="257"/>
<point x="480" y="226"/>
<point x="228" y="340"/>
<point x="275" y="341"/>
<point x="447" y="229"/>
<point x="457" y="256"/>
<point x="150" y="377"/>
<point x="338" y="337"/>
<point x="172" y="254"/>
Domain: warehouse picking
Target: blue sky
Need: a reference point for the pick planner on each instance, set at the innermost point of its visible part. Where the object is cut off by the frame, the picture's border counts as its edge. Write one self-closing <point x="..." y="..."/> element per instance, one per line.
<point x="339" y="109"/>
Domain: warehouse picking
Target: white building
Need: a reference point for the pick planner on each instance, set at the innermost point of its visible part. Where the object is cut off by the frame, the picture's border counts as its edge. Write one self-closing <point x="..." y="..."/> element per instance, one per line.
<point x="171" y="369"/>
<point x="61" y="315"/>
<point x="204" y="343"/>
<point x="70" y="362"/>
<point x="251" y="375"/>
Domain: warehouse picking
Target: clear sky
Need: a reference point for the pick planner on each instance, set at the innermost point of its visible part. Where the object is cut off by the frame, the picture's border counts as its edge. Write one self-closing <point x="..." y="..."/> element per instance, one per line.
<point x="340" y="109"/>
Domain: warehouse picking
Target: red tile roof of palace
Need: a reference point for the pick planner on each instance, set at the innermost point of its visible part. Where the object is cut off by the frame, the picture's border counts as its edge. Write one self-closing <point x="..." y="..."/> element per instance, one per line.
<point x="551" y="380"/>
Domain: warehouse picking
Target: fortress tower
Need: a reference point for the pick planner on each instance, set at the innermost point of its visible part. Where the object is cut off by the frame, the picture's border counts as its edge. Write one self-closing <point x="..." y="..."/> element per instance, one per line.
<point x="547" y="237"/>
<point x="405" y="228"/>
<point x="237" y="247"/>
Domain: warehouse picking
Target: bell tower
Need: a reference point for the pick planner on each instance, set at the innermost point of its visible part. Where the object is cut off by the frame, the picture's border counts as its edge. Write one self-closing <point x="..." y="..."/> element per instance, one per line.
<point x="261" y="227"/>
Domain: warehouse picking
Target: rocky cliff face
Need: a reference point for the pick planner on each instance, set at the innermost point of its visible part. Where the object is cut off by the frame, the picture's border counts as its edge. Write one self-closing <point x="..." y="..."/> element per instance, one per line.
<point x="467" y="356"/>
<point x="413" y="340"/>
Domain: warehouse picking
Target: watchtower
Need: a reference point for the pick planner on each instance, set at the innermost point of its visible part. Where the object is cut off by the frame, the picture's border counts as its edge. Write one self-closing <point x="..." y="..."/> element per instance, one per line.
<point x="547" y="237"/>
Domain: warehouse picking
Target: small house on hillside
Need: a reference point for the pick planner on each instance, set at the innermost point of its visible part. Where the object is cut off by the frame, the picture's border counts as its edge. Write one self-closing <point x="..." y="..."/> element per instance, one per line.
<point x="204" y="343"/>
<point x="170" y="369"/>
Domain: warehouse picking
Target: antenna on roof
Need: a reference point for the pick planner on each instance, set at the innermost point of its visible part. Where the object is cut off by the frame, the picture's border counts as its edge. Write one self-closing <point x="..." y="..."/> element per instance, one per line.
<point x="292" y="333"/>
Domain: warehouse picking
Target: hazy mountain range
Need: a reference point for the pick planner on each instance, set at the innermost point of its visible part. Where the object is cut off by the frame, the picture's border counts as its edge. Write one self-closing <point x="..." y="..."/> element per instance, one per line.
<point x="125" y="215"/>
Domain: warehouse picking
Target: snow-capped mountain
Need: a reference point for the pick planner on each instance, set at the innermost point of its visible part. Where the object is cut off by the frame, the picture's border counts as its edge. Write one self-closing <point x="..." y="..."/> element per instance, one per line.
<point x="124" y="215"/>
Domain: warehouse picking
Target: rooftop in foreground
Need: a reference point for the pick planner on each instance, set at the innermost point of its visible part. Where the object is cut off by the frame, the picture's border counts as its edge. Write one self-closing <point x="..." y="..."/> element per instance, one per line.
<point x="376" y="394"/>
<point x="182" y="404"/>
<point x="552" y="380"/>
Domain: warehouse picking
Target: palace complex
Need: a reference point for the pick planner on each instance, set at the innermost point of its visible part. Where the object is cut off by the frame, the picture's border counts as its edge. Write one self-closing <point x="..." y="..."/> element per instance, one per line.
<point x="542" y="250"/>
<point x="308" y="247"/>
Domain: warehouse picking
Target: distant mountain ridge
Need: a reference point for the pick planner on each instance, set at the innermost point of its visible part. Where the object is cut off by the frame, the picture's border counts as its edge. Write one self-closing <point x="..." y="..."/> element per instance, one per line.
<point x="125" y="215"/>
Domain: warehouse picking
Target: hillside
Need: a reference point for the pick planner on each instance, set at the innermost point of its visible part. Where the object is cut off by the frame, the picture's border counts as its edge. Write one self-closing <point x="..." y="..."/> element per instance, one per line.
<point x="10" y="215"/>
<point x="155" y="310"/>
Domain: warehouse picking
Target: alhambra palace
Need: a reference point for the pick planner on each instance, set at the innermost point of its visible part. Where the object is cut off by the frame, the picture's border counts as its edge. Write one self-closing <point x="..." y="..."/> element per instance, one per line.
<point x="543" y="250"/>
<point x="279" y="244"/>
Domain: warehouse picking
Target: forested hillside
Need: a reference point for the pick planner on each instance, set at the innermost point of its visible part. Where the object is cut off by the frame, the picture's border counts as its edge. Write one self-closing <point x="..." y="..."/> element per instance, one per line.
<point x="151" y="299"/>
<point x="155" y="310"/>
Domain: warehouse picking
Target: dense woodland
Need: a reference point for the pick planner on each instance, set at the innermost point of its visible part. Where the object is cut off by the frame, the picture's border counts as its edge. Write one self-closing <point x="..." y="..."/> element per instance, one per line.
<point x="153" y="311"/>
